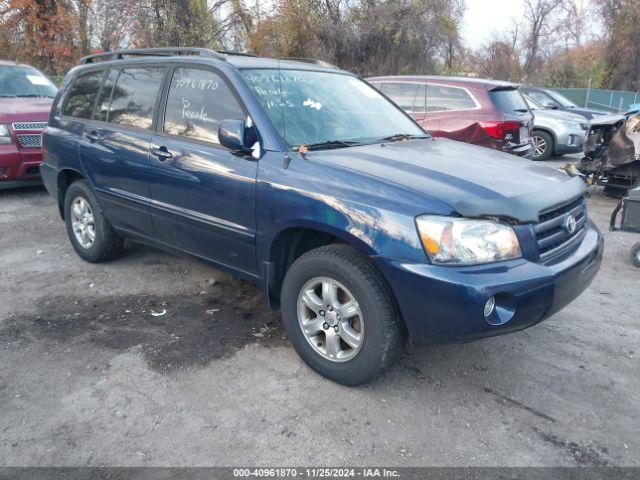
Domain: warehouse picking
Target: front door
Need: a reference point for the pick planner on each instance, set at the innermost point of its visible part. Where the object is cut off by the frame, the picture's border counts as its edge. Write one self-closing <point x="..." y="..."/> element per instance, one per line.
<point x="202" y="194"/>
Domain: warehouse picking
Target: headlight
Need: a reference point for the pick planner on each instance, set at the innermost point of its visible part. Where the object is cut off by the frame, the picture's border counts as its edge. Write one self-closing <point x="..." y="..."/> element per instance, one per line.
<point x="570" y="124"/>
<point x="5" y="137"/>
<point x="460" y="241"/>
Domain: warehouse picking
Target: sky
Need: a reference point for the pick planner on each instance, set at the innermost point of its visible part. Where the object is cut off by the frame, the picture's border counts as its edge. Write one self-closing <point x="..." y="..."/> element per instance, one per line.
<point x="486" y="16"/>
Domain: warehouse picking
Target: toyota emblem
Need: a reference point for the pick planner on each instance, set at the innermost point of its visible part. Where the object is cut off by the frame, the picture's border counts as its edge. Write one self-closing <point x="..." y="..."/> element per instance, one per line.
<point x="570" y="224"/>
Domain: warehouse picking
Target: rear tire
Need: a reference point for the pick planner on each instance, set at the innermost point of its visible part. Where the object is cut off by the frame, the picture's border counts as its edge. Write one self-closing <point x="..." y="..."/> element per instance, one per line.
<point x="91" y="235"/>
<point x="543" y="145"/>
<point x="328" y="278"/>
<point x="635" y="254"/>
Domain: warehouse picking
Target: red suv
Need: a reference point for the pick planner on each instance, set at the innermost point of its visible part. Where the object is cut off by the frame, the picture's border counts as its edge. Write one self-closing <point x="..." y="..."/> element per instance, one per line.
<point x="483" y="112"/>
<point x="26" y="96"/>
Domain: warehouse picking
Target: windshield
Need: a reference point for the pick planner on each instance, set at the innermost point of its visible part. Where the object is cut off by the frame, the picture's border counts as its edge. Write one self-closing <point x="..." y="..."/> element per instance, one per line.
<point x="561" y="99"/>
<point x="533" y="105"/>
<point x="20" y="81"/>
<point x="310" y="108"/>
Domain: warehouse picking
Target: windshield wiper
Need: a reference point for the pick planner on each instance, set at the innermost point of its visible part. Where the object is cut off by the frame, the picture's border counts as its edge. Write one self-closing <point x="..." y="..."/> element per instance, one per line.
<point x="329" y="144"/>
<point x="396" y="137"/>
<point x="29" y="95"/>
<point x="521" y="110"/>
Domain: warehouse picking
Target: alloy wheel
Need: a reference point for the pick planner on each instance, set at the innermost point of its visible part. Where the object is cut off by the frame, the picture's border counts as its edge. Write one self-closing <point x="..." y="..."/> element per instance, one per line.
<point x="330" y="319"/>
<point x="539" y="146"/>
<point x="83" y="222"/>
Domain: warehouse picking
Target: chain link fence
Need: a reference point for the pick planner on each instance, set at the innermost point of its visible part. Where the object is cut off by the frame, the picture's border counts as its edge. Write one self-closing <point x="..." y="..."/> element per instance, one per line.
<point x="610" y="100"/>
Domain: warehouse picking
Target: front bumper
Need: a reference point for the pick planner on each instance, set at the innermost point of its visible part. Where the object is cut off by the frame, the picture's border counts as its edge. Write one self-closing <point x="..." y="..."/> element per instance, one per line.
<point x="569" y="141"/>
<point x="445" y="304"/>
<point x="19" y="166"/>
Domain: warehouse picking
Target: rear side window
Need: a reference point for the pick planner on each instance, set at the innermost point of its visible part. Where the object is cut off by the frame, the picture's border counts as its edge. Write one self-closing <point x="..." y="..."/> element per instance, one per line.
<point x="102" y="107"/>
<point x="134" y="96"/>
<point x="509" y="101"/>
<point x="82" y="95"/>
<point x="198" y="101"/>
<point x="445" y="98"/>
<point x="404" y="94"/>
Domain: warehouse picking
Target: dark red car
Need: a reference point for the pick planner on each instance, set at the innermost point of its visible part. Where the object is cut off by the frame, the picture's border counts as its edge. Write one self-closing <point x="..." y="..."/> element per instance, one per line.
<point x="26" y="96"/>
<point x="483" y="112"/>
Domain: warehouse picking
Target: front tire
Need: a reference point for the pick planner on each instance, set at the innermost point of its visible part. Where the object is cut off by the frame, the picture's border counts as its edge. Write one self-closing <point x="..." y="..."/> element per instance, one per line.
<point x="543" y="145"/>
<point x="91" y="235"/>
<point x="340" y="315"/>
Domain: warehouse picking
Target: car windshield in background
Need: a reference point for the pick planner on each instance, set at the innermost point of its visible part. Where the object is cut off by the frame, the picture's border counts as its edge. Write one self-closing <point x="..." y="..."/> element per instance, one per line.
<point x="509" y="101"/>
<point x="533" y="105"/>
<point x="19" y="81"/>
<point x="562" y="100"/>
<point x="330" y="110"/>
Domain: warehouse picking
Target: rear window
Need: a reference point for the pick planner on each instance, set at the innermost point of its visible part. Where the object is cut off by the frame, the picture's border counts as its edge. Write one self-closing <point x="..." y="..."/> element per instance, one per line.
<point x="509" y="101"/>
<point x="21" y="81"/>
<point x="82" y="95"/>
<point x="134" y="96"/>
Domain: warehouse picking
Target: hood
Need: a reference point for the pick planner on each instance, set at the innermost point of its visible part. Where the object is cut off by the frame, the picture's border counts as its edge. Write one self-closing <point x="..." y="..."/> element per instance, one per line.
<point x="24" y="109"/>
<point x="475" y="181"/>
<point x="559" y="115"/>
<point x="606" y="120"/>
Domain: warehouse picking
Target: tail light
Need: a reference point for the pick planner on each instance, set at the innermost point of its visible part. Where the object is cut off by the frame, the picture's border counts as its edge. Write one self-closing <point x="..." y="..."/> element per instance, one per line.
<point x="499" y="130"/>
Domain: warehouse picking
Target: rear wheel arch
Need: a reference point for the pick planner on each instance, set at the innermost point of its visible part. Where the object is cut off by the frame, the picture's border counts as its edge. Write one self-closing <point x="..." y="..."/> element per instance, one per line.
<point x="65" y="178"/>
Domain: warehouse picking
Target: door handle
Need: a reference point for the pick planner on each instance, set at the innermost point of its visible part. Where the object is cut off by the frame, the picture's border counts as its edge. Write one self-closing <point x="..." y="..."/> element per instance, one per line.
<point x="92" y="136"/>
<point x="162" y="153"/>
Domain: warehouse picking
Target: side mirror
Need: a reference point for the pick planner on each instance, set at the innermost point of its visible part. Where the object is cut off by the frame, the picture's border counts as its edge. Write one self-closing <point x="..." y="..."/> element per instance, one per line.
<point x="551" y="106"/>
<point x="231" y="134"/>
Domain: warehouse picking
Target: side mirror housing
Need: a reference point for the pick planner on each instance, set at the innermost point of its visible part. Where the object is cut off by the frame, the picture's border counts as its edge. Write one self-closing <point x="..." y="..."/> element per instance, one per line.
<point x="551" y="106"/>
<point x="231" y="134"/>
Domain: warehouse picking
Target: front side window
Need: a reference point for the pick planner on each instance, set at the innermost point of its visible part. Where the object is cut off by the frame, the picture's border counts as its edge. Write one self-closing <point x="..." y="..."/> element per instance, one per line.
<point x="310" y="107"/>
<point x="444" y="98"/>
<point x="82" y="95"/>
<point x="198" y="101"/>
<point x="134" y="96"/>
<point x="23" y="81"/>
<point x="403" y="93"/>
<point x="562" y="100"/>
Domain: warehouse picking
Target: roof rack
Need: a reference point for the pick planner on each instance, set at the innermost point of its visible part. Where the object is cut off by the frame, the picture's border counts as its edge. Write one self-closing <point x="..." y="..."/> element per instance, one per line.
<point x="320" y="63"/>
<point x="153" y="52"/>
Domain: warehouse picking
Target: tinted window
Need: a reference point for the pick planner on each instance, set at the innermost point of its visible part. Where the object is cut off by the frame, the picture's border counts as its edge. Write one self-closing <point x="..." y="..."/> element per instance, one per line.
<point x="21" y="81"/>
<point x="443" y="98"/>
<point x="82" y="95"/>
<point x="403" y="94"/>
<point x="509" y="101"/>
<point x="102" y="107"/>
<point x="198" y="101"/>
<point x="134" y="96"/>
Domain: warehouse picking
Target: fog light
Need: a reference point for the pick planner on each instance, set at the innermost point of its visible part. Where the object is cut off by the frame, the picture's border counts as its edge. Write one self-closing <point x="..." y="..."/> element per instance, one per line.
<point x="489" y="306"/>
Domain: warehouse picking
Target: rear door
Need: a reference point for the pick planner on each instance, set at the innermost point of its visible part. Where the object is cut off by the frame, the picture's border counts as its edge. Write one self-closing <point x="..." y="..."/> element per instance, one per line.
<point x="115" y="146"/>
<point x="450" y="111"/>
<point x="202" y="194"/>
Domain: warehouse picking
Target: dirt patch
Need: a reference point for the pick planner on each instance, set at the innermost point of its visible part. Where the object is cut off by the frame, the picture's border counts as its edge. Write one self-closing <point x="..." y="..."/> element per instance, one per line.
<point x="173" y="333"/>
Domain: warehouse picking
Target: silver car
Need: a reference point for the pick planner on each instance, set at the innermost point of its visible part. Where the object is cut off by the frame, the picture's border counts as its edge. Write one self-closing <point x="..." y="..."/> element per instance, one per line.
<point x="555" y="132"/>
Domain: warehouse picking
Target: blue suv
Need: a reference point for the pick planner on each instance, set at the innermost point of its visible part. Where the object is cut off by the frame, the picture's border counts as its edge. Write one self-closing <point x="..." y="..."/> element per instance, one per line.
<point x="304" y="179"/>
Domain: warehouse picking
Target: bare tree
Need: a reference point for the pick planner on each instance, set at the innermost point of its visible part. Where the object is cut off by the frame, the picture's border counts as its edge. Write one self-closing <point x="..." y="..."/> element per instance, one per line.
<point x="537" y="18"/>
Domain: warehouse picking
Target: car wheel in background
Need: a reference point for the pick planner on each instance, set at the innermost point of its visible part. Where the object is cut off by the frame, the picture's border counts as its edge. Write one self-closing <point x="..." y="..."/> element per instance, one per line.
<point x="635" y="254"/>
<point x="340" y="315"/>
<point x="543" y="145"/>
<point x="93" y="239"/>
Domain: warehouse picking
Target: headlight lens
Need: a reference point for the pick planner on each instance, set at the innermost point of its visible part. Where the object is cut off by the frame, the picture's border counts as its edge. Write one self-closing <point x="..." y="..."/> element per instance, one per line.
<point x="570" y="124"/>
<point x="5" y="137"/>
<point x="460" y="241"/>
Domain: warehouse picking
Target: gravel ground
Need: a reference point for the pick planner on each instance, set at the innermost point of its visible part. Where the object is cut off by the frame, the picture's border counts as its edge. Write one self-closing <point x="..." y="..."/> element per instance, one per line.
<point x="89" y="375"/>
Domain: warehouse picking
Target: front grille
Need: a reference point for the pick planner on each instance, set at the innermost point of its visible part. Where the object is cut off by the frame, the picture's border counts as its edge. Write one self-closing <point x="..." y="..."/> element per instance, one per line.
<point x="30" y="140"/>
<point x="29" y="126"/>
<point x="552" y="233"/>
